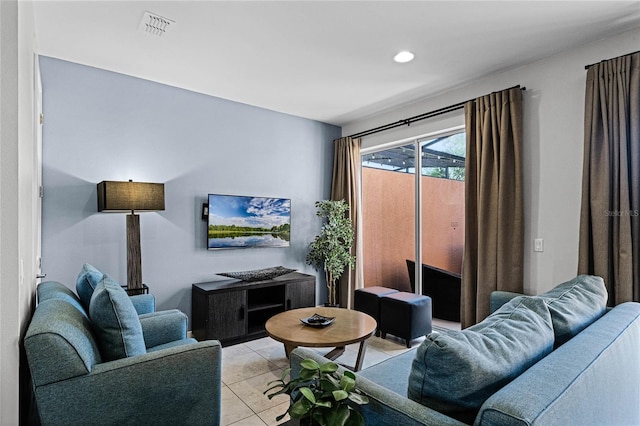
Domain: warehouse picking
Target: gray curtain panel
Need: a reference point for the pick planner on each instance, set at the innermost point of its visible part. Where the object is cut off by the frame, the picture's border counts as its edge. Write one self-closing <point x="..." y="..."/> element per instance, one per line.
<point x="610" y="213"/>
<point x="494" y="218"/>
<point x="346" y="186"/>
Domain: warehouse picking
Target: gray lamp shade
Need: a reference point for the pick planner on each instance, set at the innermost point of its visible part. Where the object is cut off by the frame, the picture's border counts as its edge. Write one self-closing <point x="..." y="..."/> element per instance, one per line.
<point x="130" y="196"/>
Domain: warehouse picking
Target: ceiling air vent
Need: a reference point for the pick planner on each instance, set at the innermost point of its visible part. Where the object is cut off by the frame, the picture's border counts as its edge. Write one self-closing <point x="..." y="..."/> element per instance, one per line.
<point x="155" y="25"/>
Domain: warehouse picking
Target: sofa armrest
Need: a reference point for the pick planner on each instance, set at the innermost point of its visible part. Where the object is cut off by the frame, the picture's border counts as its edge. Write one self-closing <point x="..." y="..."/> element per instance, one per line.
<point x="499" y="298"/>
<point x="144" y="303"/>
<point x="385" y="407"/>
<point x="180" y="385"/>
<point x="163" y="327"/>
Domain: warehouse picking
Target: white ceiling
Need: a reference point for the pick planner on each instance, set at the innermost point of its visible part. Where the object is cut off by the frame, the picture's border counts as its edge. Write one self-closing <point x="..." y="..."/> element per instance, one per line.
<point x="326" y="60"/>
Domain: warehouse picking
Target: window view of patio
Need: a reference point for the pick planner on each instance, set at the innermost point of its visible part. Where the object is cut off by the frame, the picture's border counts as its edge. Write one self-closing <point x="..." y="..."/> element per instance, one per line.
<point x="389" y="213"/>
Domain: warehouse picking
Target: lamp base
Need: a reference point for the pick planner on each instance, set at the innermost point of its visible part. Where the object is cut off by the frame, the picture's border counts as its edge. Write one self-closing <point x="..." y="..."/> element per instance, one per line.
<point x="136" y="291"/>
<point x="134" y="260"/>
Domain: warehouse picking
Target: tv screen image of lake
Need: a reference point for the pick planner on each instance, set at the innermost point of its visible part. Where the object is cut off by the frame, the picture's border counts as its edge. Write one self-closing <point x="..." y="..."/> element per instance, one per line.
<point x="243" y="222"/>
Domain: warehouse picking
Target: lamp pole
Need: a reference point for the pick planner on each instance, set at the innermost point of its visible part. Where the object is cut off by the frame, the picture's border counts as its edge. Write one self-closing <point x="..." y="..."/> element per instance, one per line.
<point x="134" y="257"/>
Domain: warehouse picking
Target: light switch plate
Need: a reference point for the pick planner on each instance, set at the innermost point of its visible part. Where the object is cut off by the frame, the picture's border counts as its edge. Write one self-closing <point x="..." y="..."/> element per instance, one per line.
<point x="538" y="244"/>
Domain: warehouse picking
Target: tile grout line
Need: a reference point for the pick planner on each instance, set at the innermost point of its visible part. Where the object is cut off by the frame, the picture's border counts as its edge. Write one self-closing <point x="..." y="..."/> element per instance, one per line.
<point x="255" y="413"/>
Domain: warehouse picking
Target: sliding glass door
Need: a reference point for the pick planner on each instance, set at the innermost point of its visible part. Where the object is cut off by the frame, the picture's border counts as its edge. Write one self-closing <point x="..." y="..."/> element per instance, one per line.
<point x="442" y="201"/>
<point x="388" y="209"/>
<point x="408" y="216"/>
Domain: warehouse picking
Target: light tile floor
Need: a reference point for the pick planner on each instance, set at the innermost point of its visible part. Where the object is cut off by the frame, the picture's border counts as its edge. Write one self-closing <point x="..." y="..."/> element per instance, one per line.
<point x="248" y="367"/>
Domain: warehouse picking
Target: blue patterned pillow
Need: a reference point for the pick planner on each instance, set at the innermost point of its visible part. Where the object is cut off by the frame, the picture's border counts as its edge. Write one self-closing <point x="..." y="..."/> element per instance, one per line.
<point x="86" y="283"/>
<point x="455" y="372"/>
<point x="576" y="304"/>
<point x="115" y="321"/>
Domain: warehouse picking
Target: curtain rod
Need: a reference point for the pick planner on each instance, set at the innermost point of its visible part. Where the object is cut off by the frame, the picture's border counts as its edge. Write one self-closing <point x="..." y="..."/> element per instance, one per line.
<point x="586" y="67"/>
<point x="408" y="121"/>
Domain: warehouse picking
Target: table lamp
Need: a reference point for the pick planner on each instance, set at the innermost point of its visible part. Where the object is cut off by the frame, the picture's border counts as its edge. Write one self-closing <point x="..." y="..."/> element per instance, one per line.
<point x="120" y="197"/>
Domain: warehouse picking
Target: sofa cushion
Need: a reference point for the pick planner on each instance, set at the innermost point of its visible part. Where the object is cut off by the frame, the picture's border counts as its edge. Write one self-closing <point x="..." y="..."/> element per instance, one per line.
<point x="455" y="372"/>
<point x="115" y="321"/>
<point x="576" y="304"/>
<point x="393" y="372"/>
<point x="86" y="283"/>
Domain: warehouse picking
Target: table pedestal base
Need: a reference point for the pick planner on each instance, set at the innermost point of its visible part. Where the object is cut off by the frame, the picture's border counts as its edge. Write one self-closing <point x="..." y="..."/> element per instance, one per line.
<point x="335" y="353"/>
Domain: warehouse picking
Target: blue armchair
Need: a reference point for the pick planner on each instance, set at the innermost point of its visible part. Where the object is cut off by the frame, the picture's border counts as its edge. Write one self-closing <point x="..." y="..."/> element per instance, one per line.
<point x="162" y="378"/>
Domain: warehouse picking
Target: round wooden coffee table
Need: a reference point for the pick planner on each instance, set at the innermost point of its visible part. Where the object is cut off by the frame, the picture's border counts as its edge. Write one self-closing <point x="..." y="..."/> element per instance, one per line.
<point x="349" y="327"/>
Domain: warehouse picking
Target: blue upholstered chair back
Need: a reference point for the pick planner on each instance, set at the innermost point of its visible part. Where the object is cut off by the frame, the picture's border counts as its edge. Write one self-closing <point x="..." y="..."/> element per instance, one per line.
<point x="60" y="341"/>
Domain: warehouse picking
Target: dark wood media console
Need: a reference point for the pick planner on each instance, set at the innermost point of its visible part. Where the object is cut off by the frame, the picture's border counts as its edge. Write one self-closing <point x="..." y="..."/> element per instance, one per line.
<point x="234" y="311"/>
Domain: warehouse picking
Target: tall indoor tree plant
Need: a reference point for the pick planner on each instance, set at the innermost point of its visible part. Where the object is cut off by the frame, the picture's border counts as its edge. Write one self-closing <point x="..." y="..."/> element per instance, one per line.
<point x="331" y="249"/>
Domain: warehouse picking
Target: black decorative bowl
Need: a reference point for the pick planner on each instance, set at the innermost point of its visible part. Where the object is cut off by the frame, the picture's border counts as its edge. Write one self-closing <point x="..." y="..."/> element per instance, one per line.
<point x="316" y="320"/>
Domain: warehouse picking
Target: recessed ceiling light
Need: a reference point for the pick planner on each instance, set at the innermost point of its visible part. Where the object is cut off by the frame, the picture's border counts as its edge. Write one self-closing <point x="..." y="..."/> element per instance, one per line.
<point x="404" y="56"/>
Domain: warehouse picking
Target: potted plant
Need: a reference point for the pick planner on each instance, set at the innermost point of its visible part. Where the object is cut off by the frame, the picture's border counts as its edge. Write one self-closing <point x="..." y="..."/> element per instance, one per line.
<point x="320" y="395"/>
<point x="331" y="249"/>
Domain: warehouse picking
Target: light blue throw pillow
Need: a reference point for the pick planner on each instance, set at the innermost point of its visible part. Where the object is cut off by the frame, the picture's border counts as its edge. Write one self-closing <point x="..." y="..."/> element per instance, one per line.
<point x="455" y="372"/>
<point x="115" y="321"/>
<point x="86" y="283"/>
<point x="576" y="304"/>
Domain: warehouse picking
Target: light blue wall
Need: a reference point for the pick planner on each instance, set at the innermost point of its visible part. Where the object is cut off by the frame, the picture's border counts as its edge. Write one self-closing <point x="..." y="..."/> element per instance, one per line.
<point x="101" y="125"/>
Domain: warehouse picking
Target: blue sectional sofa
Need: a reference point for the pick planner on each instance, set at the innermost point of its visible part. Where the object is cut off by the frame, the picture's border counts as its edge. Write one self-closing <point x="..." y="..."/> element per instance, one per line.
<point x="561" y="358"/>
<point x="84" y="374"/>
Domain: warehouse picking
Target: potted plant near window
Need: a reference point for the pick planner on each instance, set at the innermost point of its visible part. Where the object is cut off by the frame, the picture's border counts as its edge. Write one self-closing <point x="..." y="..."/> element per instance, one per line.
<point x="331" y="249"/>
<point x="320" y="395"/>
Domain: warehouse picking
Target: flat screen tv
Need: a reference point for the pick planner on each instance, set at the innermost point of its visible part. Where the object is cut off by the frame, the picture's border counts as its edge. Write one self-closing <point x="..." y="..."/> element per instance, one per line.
<point x="243" y="222"/>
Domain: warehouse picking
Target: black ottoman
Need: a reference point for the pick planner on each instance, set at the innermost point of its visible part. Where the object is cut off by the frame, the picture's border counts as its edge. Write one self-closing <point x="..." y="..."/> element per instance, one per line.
<point x="367" y="300"/>
<point x="405" y="315"/>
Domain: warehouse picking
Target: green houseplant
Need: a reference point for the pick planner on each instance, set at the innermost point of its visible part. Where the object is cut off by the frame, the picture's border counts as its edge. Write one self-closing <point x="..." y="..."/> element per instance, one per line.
<point x="331" y="249"/>
<point x="320" y="395"/>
